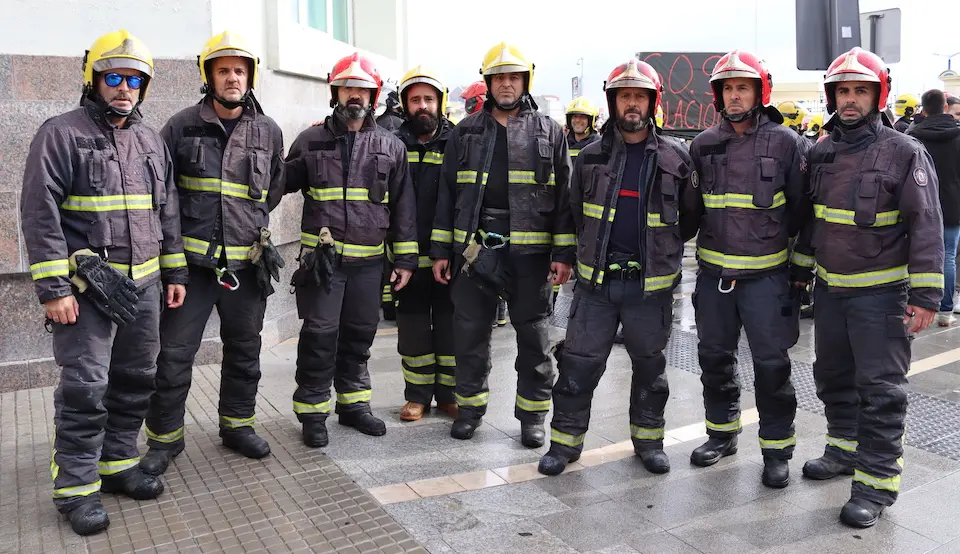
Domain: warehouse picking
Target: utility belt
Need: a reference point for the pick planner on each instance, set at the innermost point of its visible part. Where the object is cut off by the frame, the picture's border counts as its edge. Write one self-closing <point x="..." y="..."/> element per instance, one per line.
<point x="486" y="257"/>
<point x="623" y="271"/>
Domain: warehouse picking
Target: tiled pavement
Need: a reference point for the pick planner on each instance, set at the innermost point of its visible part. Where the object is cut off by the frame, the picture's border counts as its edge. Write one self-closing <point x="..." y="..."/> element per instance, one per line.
<point x="444" y="495"/>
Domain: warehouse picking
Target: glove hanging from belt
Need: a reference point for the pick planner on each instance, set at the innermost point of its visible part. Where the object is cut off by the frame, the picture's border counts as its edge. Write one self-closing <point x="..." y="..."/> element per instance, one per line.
<point x="487" y="263"/>
<point x="317" y="264"/>
<point x="110" y="291"/>
<point x="268" y="261"/>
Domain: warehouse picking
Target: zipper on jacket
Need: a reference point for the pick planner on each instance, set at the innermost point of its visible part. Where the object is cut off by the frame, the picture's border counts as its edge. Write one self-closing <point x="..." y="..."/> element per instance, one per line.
<point x="485" y="169"/>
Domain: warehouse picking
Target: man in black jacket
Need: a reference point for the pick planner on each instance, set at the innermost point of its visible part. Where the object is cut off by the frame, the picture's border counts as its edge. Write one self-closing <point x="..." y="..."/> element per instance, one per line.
<point x="940" y="134"/>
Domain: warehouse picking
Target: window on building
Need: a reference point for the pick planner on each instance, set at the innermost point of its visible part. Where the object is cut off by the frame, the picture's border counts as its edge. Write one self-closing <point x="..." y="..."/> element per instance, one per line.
<point x="328" y="16"/>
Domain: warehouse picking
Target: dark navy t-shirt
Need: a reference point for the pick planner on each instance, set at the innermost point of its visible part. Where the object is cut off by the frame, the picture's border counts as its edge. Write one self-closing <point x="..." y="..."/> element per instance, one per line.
<point x="625" y="231"/>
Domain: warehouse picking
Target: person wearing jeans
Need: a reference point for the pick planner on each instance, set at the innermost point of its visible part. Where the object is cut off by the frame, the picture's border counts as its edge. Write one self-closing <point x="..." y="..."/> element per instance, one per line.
<point x="940" y="134"/>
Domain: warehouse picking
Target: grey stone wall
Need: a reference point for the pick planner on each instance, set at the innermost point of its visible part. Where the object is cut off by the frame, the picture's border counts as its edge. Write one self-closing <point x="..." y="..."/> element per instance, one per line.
<point x="35" y="88"/>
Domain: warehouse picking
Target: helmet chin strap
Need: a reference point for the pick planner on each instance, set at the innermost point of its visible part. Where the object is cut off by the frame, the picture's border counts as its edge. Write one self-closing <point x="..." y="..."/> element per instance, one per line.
<point x="507" y="107"/>
<point x="232" y="104"/>
<point x="740" y="117"/>
<point x="111" y="111"/>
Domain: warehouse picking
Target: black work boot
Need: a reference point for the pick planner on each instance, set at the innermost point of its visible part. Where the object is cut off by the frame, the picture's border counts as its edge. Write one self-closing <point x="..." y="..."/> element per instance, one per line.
<point x="88" y="518"/>
<point x="825" y="468"/>
<point x="133" y="483"/>
<point x="365" y="422"/>
<point x="156" y="460"/>
<point x="245" y="441"/>
<point x="776" y="472"/>
<point x="861" y="513"/>
<point x="315" y="433"/>
<point x="532" y="435"/>
<point x="711" y="451"/>
<point x="463" y="429"/>
<point x="655" y="461"/>
<point x="553" y="463"/>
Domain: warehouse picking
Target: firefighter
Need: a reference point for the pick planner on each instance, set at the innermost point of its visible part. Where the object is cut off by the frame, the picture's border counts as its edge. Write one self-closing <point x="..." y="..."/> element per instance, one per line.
<point x="877" y="244"/>
<point x="424" y="308"/>
<point x="102" y="231"/>
<point x="794" y="115"/>
<point x="357" y="193"/>
<point x="392" y="116"/>
<point x="905" y="108"/>
<point x="473" y="97"/>
<point x="814" y="126"/>
<point x="581" y="121"/>
<point x="503" y="228"/>
<point x="750" y="178"/>
<point x="627" y="267"/>
<point x="228" y="161"/>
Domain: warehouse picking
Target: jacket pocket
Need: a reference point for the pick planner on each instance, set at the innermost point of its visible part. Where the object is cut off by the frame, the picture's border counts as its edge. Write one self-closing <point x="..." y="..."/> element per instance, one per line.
<point x="865" y="203"/>
<point x="544" y="162"/>
<point x="259" y="173"/>
<point x="194" y="206"/>
<point x="869" y="244"/>
<point x="670" y="210"/>
<point x="769" y="183"/>
<point x="156" y="183"/>
<point x="100" y="233"/>
<point x="379" y="181"/>
<point x="96" y="168"/>
<point x="708" y="174"/>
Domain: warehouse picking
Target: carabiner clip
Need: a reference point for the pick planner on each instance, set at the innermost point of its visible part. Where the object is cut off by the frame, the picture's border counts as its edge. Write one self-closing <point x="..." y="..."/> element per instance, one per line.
<point x="722" y="290"/>
<point x="496" y="236"/>
<point x="220" y="273"/>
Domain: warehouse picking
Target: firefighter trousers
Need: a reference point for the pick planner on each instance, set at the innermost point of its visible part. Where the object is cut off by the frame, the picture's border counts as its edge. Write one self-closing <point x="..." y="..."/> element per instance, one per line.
<point x="425" y="339"/>
<point x="241" y="314"/>
<point x="768" y="309"/>
<point x="338" y="329"/>
<point x="474" y="309"/>
<point x="863" y="355"/>
<point x="106" y="379"/>
<point x="591" y="327"/>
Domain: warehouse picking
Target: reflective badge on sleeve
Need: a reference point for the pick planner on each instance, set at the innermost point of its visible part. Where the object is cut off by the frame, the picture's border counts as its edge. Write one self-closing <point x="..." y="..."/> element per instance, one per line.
<point x="920" y="176"/>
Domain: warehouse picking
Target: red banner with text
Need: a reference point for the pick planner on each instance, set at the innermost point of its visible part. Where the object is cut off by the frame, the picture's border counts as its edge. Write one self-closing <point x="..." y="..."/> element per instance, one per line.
<point x="687" y="97"/>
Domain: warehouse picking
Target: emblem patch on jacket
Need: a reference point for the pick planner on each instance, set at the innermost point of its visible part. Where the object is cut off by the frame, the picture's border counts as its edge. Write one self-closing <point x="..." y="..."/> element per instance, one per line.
<point x="920" y="176"/>
<point x="694" y="179"/>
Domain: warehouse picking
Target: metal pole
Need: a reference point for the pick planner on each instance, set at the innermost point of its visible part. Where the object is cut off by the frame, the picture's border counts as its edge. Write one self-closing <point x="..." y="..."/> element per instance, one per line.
<point x="874" y="24"/>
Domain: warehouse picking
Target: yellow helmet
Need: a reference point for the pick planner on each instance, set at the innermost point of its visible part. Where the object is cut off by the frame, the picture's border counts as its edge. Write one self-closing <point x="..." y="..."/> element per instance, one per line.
<point x="659" y="116"/>
<point x="420" y="75"/>
<point x="906" y="105"/>
<point x="582" y="106"/>
<point x="115" y="50"/>
<point x="227" y="43"/>
<point x="814" y="125"/>
<point x="506" y="58"/>
<point x="793" y="114"/>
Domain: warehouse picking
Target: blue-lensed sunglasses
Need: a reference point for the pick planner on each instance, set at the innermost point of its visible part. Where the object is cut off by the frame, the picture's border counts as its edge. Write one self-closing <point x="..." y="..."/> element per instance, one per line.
<point x="114" y="80"/>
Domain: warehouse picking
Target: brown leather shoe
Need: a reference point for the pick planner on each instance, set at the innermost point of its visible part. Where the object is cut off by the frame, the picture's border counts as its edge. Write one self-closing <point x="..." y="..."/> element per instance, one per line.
<point x="449" y="409"/>
<point x="411" y="411"/>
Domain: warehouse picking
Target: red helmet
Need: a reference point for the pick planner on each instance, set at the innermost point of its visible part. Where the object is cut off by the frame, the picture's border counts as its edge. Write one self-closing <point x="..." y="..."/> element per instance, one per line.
<point x="633" y="74"/>
<point x="857" y="65"/>
<point x="740" y="63"/>
<point x="355" y="71"/>
<point x="473" y="97"/>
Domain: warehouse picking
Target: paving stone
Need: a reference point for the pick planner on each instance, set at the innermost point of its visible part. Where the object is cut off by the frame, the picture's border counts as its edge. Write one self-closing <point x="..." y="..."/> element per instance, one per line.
<point x="883" y="537"/>
<point x="518" y="537"/>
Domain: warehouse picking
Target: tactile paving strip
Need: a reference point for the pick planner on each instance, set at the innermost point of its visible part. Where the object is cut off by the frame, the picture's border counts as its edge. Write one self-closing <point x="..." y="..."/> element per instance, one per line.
<point x="295" y="500"/>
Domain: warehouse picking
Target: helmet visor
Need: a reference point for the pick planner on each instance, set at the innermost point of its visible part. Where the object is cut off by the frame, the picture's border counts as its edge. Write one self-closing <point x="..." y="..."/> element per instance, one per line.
<point x="107" y="64"/>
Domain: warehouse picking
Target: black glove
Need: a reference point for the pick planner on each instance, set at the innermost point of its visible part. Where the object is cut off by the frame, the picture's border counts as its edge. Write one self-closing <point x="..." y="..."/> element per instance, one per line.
<point x="268" y="262"/>
<point x="316" y="268"/>
<point x="110" y="291"/>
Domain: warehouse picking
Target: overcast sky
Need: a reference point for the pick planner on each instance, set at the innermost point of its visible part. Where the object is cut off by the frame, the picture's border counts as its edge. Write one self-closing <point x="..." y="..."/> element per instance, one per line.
<point x="452" y="37"/>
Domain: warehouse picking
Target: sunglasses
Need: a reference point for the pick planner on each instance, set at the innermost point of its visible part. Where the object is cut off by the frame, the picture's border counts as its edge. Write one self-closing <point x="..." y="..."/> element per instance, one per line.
<point x="114" y="80"/>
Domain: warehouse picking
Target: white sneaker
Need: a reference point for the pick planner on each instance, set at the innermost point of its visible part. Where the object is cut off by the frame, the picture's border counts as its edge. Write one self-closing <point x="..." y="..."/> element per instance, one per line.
<point x="945" y="319"/>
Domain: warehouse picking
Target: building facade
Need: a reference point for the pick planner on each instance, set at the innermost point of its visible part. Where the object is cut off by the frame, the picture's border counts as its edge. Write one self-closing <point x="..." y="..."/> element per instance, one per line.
<point x="42" y="43"/>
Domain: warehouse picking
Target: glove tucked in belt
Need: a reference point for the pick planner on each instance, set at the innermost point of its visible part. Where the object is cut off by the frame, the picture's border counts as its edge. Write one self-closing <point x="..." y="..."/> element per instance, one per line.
<point x="268" y="261"/>
<point x="110" y="291"/>
<point x="487" y="263"/>
<point x="317" y="264"/>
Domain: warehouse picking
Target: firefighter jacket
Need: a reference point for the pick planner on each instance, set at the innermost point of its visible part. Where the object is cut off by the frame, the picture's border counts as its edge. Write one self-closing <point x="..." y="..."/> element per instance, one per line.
<point x="877" y="219"/>
<point x="576" y="146"/>
<point x="671" y="213"/>
<point x="227" y="185"/>
<point x="90" y="185"/>
<point x="753" y="191"/>
<point x="538" y="188"/>
<point x="359" y="187"/>
<point x="425" y="159"/>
